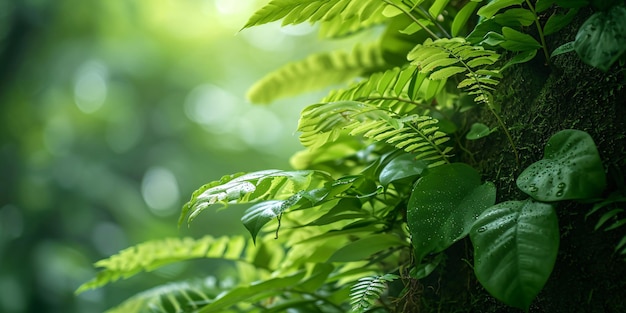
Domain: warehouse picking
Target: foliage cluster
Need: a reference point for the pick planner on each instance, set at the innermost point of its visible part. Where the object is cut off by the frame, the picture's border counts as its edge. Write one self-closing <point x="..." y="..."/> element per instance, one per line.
<point x="379" y="193"/>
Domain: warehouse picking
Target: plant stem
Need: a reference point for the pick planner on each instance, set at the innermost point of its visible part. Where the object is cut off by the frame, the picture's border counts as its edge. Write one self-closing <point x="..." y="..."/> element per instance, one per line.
<point x="412" y="17"/>
<point x="506" y="132"/>
<point x="433" y="19"/>
<point x="540" y="30"/>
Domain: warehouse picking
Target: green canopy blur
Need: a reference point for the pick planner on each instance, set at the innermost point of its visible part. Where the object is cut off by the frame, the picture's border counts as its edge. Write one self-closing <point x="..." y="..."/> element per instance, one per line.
<point x="112" y="113"/>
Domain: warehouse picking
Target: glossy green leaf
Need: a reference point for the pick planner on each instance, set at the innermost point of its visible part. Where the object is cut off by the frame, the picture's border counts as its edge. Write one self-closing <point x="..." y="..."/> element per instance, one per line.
<point x="477" y="131"/>
<point x="600" y="40"/>
<point x="461" y="18"/>
<point x="515" y="17"/>
<point x="482" y="29"/>
<point x="363" y="248"/>
<point x="515" y="247"/>
<point x="250" y="187"/>
<point x="564" y="48"/>
<point x="260" y="214"/>
<point x="522" y="57"/>
<point x="517" y="41"/>
<point x="444" y="205"/>
<point x="400" y="167"/>
<point x="437" y="7"/>
<point x="492" y="38"/>
<point x="557" y="21"/>
<point x="542" y="5"/>
<point x="571" y="169"/>
<point x="494" y="6"/>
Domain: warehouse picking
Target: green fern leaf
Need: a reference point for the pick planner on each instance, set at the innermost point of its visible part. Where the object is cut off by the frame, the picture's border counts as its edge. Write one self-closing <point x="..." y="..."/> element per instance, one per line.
<point x="367" y="290"/>
<point x="341" y="27"/>
<point x="300" y="11"/>
<point x="317" y="71"/>
<point x="251" y="187"/>
<point x="151" y="255"/>
<point x="437" y="58"/>
<point x="171" y="298"/>
<point x="397" y="90"/>
<point x="322" y="123"/>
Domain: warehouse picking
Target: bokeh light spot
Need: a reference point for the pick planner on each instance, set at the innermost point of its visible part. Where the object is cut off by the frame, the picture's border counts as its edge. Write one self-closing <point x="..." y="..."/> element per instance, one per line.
<point x="159" y="189"/>
<point x="90" y="86"/>
<point x="260" y="127"/>
<point x="108" y="238"/>
<point x="211" y="107"/>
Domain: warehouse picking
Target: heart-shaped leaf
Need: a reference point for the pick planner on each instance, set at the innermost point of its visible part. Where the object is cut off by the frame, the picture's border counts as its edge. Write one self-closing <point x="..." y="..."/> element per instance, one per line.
<point x="443" y="206"/>
<point x="515" y="247"/>
<point x="571" y="169"/>
<point x="600" y="40"/>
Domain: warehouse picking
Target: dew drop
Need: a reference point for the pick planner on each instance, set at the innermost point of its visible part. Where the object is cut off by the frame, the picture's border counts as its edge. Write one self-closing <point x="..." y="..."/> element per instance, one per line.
<point x="482" y="229"/>
<point x="559" y="193"/>
<point x="561" y="186"/>
<point x="533" y="188"/>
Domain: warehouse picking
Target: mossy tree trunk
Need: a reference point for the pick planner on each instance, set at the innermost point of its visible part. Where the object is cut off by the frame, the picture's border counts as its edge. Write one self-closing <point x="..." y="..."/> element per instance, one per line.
<point x="538" y="101"/>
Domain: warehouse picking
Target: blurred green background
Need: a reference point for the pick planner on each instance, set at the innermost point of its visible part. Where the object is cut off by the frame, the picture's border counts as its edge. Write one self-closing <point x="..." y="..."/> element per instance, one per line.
<point x="111" y="114"/>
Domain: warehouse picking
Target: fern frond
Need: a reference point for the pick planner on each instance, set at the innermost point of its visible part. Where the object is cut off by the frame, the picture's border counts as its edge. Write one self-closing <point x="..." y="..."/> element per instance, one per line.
<point x="251" y="187"/>
<point x="317" y="71"/>
<point x="340" y="27"/>
<point x="400" y="90"/>
<point x="444" y="58"/>
<point x="367" y="290"/>
<point x="322" y="123"/>
<point x="151" y="255"/>
<point x="300" y="11"/>
<point x="171" y="298"/>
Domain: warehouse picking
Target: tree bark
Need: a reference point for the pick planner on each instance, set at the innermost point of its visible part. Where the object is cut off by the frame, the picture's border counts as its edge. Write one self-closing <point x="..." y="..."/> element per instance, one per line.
<point x="538" y="101"/>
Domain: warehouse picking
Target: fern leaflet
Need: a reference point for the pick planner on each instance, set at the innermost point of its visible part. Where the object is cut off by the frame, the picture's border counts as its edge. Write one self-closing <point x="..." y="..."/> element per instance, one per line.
<point x="322" y="123"/>
<point x="300" y="11"/>
<point x="444" y="58"/>
<point x="340" y="27"/>
<point x="151" y="255"/>
<point x="172" y="297"/>
<point x="367" y="290"/>
<point x="317" y="71"/>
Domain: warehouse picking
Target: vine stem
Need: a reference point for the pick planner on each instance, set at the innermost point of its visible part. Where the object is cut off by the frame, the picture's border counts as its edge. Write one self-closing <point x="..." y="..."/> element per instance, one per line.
<point x="506" y="132"/>
<point x="412" y="17"/>
<point x="541" y="36"/>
